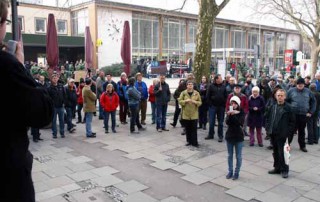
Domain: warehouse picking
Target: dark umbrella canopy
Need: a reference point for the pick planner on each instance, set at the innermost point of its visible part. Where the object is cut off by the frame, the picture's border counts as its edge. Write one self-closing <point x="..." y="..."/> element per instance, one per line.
<point x="88" y="48"/>
<point x="52" y="43"/>
<point x="126" y="47"/>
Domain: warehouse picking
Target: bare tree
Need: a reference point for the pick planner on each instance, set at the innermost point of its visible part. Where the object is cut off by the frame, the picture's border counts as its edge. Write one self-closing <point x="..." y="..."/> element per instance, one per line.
<point x="303" y="14"/>
<point x="208" y="11"/>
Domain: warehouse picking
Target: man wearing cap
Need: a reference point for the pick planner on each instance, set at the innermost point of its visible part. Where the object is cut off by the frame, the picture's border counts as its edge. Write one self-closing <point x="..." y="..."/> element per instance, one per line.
<point x="303" y="106"/>
<point x="70" y="103"/>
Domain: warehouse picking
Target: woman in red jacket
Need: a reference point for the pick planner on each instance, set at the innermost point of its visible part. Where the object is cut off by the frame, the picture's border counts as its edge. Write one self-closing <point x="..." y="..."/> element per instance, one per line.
<point x="109" y="101"/>
<point x="152" y="100"/>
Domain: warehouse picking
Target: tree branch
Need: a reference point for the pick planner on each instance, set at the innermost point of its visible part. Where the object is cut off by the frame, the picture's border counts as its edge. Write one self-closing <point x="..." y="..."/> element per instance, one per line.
<point x="222" y="5"/>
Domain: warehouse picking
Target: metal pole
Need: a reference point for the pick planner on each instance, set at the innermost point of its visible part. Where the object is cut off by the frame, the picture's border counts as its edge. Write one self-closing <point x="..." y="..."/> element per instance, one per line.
<point x="15" y="24"/>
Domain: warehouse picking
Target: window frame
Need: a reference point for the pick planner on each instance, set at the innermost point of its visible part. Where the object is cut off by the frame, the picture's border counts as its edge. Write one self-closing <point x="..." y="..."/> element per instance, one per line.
<point x="66" y="26"/>
<point x="35" y="25"/>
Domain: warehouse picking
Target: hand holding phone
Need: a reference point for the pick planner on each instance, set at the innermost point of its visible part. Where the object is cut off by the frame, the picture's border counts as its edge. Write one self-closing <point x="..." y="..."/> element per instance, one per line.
<point x="12" y="47"/>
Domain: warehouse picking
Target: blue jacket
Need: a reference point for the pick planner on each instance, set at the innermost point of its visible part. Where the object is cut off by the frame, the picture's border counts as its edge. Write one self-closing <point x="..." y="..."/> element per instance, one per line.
<point x="143" y="89"/>
<point x="121" y="91"/>
<point x="302" y="102"/>
<point x="133" y="95"/>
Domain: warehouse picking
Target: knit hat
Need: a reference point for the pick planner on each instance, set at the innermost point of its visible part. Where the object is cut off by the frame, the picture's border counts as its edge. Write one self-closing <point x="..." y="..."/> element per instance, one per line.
<point x="235" y="99"/>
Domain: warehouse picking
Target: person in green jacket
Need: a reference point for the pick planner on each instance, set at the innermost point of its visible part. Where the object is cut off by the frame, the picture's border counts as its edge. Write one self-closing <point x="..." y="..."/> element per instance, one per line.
<point x="190" y="100"/>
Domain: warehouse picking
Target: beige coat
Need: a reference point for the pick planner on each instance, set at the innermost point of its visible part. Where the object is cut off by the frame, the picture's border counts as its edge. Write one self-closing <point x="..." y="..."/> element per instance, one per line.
<point x="89" y="99"/>
<point x="190" y="110"/>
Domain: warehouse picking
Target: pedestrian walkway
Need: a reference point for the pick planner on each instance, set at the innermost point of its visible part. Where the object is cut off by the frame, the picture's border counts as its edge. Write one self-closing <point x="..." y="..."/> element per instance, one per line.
<point x="153" y="166"/>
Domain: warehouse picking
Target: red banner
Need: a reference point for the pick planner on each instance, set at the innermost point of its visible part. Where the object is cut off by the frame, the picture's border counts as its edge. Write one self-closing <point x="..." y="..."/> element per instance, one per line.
<point x="288" y="57"/>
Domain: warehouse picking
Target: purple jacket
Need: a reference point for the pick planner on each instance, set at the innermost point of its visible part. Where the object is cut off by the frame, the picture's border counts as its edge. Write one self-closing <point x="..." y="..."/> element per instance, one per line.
<point x="255" y="118"/>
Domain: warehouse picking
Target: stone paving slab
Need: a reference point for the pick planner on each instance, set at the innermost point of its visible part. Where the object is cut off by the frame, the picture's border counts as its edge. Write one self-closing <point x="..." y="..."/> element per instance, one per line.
<point x="227" y="183"/>
<point x="104" y="171"/>
<point x="303" y="199"/>
<point x="300" y="184"/>
<point x="55" y="199"/>
<point x="80" y="167"/>
<point x="196" y="178"/>
<point x="107" y="180"/>
<point x="49" y="194"/>
<point x="274" y="197"/>
<point x="313" y="194"/>
<point x="139" y="197"/>
<point x="290" y="192"/>
<point x="80" y="159"/>
<point x="212" y="172"/>
<point x="39" y="176"/>
<point x="83" y="175"/>
<point x="185" y="169"/>
<point x="56" y="171"/>
<point x="134" y="155"/>
<point x="131" y="186"/>
<point x="163" y="165"/>
<point x="243" y="193"/>
<point x="172" y="199"/>
<point x="58" y="182"/>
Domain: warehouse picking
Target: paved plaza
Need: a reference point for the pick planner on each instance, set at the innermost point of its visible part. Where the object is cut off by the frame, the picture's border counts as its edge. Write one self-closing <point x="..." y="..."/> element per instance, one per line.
<point x="153" y="166"/>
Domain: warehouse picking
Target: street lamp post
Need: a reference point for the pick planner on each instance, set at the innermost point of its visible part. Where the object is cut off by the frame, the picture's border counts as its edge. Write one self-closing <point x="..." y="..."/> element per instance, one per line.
<point x="15" y="24"/>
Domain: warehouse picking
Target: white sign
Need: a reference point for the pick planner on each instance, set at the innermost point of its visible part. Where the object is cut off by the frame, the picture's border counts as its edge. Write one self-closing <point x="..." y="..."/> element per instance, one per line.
<point x="299" y="56"/>
<point x="222" y="68"/>
<point x="190" y="47"/>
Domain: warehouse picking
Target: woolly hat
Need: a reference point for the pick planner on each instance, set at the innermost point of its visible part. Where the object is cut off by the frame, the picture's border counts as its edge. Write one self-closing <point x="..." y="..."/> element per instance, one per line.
<point x="300" y="81"/>
<point x="235" y="99"/>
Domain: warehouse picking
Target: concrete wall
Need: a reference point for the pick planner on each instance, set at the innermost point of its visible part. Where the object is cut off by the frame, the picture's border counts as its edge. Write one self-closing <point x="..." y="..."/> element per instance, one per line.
<point x="109" y="52"/>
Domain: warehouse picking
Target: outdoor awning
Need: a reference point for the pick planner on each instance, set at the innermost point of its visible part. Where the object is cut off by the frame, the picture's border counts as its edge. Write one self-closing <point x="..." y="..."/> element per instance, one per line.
<point x="39" y="40"/>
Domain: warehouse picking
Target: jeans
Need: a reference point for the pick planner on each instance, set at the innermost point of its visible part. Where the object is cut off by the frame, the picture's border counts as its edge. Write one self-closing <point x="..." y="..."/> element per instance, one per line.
<point x="60" y="112"/>
<point x="213" y="112"/>
<point x="161" y="116"/>
<point x="238" y="148"/>
<point x="69" y="117"/>
<point x="312" y="128"/>
<point x="113" y="120"/>
<point x="153" y="112"/>
<point x="88" y="116"/>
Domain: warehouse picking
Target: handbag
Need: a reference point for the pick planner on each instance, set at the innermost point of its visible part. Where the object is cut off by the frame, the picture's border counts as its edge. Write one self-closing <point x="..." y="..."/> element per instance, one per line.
<point x="286" y="152"/>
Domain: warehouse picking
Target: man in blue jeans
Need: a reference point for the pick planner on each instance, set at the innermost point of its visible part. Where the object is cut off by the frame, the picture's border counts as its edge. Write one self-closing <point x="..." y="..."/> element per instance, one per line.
<point x="216" y="97"/>
<point x="89" y="106"/>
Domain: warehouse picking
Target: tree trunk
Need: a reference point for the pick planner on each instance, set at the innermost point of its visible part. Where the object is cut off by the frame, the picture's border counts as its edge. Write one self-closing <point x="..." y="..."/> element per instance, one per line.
<point x="314" y="61"/>
<point x="208" y="10"/>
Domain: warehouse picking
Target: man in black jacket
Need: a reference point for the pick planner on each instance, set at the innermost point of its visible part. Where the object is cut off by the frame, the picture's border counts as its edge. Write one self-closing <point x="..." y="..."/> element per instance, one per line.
<point x="280" y="123"/>
<point x="23" y="106"/>
<point x="216" y="97"/>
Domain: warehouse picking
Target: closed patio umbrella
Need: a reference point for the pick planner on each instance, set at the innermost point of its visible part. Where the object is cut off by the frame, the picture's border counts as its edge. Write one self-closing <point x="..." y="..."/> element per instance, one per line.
<point x="126" y="47"/>
<point x="88" y="48"/>
<point x="52" y="43"/>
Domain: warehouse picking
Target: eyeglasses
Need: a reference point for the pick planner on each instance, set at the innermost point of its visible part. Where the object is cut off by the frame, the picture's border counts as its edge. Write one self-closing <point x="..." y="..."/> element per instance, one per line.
<point x="8" y="22"/>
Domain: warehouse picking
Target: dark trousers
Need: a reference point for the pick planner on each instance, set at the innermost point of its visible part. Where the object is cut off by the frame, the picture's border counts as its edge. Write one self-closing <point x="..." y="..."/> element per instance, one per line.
<point x="143" y="110"/>
<point x="123" y="110"/>
<point x="134" y="119"/>
<point x="79" y="108"/>
<point x="113" y="120"/>
<point x="278" y="155"/>
<point x="191" y="131"/>
<point x="35" y="132"/>
<point x="312" y="129"/>
<point x="69" y="117"/>
<point x="301" y="121"/>
<point x="213" y="112"/>
<point x="176" y="113"/>
<point x="203" y="115"/>
<point x="161" y="116"/>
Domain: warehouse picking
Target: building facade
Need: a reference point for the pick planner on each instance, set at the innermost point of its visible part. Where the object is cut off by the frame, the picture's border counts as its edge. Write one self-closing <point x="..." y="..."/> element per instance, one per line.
<point x="155" y="33"/>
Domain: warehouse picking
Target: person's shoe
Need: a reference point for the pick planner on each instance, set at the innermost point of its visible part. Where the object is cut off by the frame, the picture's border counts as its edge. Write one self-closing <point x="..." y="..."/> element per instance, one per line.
<point x="204" y="127"/>
<point x="315" y="142"/>
<point x="173" y="125"/>
<point x="74" y="125"/>
<point x="134" y="132"/>
<point x="72" y="130"/>
<point x="183" y="133"/>
<point x="101" y="118"/>
<point x="114" y="131"/>
<point x="188" y="144"/>
<point x="273" y="171"/>
<point x="310" y="143"/>
<point x="93" y="133"/>
<point x="54" y="137"/>
<point x="260" y="145"/>
<point x="141" y="129"/>
<point x="91" y="136"/>
<point x="251" y="145"/>
<point x="220" y="140"/>
<point x="62" y="136"/>
<point x="229" y="175"/>
<point x="284" y="174"/>
<point x="35" y="140"/>
<point x="235" y="176"/>
<point x="165" y="129"/>
<point x="106" y="131"/>
<point x="143" y="123"/>
<point x="40" y="139"/>
<point x="159" y="130"/>
<point x="270" y="147"/>
<point x="196" y="145"/>
<point x="208" y="138"/>
<point x="304" y="149"/>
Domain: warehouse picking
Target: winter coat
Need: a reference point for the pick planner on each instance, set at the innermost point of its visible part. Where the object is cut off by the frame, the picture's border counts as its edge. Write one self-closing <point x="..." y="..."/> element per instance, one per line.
<point x="71" y="97"/>
<point x="57" y="94"/>
<point x="244" y="102"/>
<point x="255" y="118"/>
<point x="217" y="95"/>
<point x="190" y="110"/>
<point x="121" y="90"/>
<point x="143" y="89"/>
<point x="152" y="97"/>
<point x="162" y="96"/>
<point x="134" y="96"/>
<point x="109" y="102"/>
<point x="285" y="125"/>
<point x="235" y="123"/>
<point x="301" y="101"/>
<point x="79" y="94"/>
<point x="89" y="99"/>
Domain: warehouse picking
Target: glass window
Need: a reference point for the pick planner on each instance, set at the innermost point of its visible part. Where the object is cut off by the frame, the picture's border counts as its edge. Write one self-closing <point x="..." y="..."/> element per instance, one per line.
<point x="220" y="37"/>
<point x="80" y="20"/>
<point x="238" y="38"/>
<point x="268" y="49"/>
<point x="281" y="43"/>
<point x="192" y="32"/>
<point x="21" y="22"/>
<point x="40" y="25"/>
<point x="62" y="27"/>
<point x="252" y="39"/>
